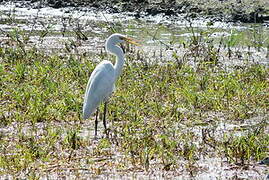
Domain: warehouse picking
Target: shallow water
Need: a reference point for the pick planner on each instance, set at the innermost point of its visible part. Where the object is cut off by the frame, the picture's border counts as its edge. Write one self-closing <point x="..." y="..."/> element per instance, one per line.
<point x="160" y="36"/>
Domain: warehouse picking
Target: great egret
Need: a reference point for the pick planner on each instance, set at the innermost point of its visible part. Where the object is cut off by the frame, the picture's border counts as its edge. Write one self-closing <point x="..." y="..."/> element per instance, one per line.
<point x="102" y="80"/>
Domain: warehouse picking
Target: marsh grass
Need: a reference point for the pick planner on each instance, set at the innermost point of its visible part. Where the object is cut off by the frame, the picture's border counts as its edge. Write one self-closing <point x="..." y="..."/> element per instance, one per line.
<point x="156" y="113"/>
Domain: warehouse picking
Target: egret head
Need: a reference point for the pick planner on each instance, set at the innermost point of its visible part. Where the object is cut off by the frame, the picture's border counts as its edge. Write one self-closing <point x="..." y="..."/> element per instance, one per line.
<point x="115" y="39"/>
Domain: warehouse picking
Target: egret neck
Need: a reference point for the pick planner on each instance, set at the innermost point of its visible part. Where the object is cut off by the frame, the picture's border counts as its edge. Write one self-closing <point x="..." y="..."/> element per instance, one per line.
<point x="118" y="52"/>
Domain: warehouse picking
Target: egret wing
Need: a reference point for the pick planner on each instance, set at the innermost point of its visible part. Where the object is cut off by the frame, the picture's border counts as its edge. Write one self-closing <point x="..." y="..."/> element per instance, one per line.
<point x="99" y="87"/>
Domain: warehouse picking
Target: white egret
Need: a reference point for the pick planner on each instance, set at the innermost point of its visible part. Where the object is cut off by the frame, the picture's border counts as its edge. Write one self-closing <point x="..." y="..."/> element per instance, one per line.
<point x="102" y="80"/>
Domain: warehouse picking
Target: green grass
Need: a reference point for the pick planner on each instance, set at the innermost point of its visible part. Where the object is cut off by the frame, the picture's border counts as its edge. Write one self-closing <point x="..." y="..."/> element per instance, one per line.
<point x="155" y="114"/>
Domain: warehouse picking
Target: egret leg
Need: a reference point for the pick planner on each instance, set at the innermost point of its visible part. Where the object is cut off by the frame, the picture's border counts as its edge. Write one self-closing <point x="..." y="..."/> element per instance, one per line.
<point x="96" y="123"/>
<point x="104" y="118"/>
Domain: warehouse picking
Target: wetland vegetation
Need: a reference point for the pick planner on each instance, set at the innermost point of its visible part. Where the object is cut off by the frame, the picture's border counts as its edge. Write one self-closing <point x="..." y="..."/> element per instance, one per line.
<point x="192" y="102"/>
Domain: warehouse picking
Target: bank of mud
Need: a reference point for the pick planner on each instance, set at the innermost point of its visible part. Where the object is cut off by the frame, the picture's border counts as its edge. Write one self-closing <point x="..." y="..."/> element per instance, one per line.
<point x="246" y="11"/>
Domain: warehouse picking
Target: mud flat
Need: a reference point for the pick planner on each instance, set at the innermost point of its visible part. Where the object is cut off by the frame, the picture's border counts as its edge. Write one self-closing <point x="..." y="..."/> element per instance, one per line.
<point x="246" y="11"/>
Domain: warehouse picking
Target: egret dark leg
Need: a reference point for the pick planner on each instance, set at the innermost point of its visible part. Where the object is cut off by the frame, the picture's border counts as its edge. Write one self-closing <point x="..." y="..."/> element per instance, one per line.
<point x="104" y="118"/>
<point x="96" y="123"/>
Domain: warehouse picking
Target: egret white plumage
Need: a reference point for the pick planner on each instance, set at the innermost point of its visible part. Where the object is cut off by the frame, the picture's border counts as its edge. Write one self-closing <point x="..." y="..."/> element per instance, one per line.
<point x="102" y="80"/>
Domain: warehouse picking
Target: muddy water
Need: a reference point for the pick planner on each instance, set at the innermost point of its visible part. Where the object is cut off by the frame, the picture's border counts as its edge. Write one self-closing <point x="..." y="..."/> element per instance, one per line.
<point x="66" y="30"/>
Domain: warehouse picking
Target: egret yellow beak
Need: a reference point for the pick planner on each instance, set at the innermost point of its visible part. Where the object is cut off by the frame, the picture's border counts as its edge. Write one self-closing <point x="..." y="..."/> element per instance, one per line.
<point x="131" y="41"/>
